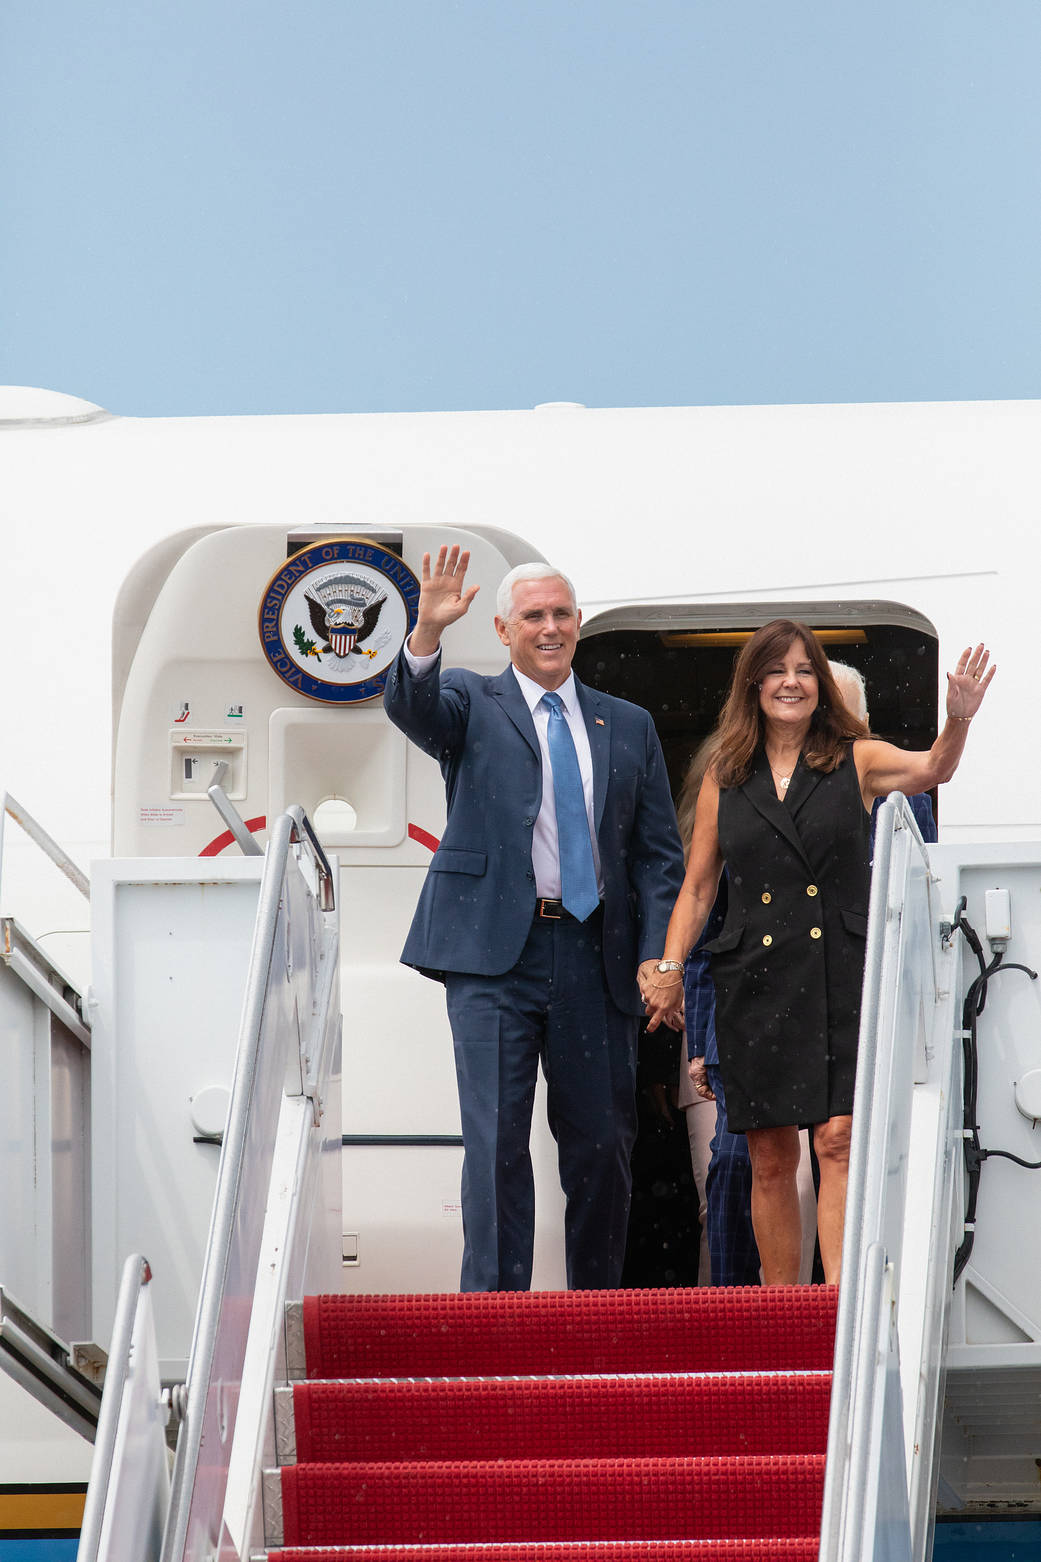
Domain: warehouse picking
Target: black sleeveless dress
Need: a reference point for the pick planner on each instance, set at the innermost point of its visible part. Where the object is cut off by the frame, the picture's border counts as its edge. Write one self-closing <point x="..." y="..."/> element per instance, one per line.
<point x="788" y="966"/>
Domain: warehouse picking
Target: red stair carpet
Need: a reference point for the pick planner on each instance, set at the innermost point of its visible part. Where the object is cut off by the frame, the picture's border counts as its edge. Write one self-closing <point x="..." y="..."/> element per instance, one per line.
<point x="596" y="1426"/>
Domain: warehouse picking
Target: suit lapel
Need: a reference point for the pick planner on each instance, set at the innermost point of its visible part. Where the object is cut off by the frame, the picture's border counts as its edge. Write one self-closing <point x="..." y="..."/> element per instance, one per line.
<point x="598" y="729"/>
<point x="759" y="789"/>
<point x="507" y="692"/>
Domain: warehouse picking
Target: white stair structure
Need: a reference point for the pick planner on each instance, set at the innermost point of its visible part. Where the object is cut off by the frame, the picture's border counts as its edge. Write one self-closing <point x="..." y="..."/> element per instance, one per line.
<point x="936" y="1381"/>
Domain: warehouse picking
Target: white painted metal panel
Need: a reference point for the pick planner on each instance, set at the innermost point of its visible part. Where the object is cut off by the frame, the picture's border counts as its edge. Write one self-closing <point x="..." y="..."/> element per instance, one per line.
<point x="44" y="1139"/>
<point x="992" y="1428"/>
<point x="171" y="959"/>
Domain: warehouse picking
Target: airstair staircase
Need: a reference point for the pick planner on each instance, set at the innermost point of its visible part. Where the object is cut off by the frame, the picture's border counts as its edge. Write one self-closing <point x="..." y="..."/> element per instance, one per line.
<point x="611" y="1424"/>
<point x="743" y="1423"/>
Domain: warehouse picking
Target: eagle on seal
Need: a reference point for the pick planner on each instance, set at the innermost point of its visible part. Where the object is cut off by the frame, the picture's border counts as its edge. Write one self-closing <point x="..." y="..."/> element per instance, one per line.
<point x="342" y="626"/>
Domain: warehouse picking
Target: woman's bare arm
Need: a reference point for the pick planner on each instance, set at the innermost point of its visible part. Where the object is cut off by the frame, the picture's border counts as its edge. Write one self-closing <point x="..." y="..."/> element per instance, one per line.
<point x="883" y="768"/>
<point x="664" y="992"/>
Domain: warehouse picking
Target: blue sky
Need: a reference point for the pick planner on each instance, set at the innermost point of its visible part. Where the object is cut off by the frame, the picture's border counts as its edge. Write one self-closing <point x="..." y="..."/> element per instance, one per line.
<point x="335" y="206"/>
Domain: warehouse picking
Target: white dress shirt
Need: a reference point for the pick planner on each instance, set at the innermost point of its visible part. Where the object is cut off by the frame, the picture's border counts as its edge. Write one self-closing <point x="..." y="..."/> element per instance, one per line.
<point x="545" y="853"/>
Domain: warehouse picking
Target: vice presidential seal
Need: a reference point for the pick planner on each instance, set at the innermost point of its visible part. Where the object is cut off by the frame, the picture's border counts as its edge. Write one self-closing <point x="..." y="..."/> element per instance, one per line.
<point x="334" y="617"/>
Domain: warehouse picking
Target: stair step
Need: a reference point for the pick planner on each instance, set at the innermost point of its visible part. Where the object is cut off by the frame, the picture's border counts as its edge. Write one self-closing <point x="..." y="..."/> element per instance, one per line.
<point x="564" y="1499"/>
<point x="780" y="1549"/>
<point x="634" y="1416"/>
<point x="507" y="1333"/>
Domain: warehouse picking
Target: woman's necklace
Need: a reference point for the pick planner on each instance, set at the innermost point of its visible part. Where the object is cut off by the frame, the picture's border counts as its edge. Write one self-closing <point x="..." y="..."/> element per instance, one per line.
<point x="779" y="776"/>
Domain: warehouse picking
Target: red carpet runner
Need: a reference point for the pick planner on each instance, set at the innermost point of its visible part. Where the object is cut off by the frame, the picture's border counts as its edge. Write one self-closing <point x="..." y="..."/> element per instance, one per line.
<point x="595" y="1425"/>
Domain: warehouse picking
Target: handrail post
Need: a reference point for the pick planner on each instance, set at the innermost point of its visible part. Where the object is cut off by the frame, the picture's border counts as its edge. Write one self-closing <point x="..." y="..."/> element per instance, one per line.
<point x="134" y="1531"/>
<point x="304" y="830"/>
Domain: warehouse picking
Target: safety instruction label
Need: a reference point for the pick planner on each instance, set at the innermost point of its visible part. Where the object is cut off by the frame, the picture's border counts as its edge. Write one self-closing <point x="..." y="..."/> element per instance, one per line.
<point x="197" y="739"/>
<point x="163" y="813"/>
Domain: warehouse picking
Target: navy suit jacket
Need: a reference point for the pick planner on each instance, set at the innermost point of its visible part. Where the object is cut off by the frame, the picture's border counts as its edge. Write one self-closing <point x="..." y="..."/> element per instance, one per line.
<point x="477" y="903"/>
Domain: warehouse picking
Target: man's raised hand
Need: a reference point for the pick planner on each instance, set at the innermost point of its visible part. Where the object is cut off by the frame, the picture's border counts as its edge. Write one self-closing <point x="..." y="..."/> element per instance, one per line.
<point x="442" y="599"/>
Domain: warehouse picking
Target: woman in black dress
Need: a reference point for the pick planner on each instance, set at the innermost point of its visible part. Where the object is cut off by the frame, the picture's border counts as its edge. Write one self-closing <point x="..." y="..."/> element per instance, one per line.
<point x="786" y="806"/>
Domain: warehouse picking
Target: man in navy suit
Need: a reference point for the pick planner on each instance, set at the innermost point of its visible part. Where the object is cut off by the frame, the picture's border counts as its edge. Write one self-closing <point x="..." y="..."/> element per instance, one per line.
<point x="551" y="803"/>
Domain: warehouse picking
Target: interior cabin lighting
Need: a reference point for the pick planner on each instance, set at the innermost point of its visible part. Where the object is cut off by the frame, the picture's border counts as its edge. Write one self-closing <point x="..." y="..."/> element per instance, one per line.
<point x="676" y="639"/>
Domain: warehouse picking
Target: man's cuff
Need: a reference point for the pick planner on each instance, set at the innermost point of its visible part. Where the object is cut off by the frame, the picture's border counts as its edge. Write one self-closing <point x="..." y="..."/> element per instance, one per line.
<point x="419" y="666"/>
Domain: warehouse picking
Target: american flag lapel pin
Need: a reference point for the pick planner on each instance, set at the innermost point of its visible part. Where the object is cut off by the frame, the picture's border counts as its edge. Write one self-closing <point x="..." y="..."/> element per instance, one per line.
<point x="599" y="720"/>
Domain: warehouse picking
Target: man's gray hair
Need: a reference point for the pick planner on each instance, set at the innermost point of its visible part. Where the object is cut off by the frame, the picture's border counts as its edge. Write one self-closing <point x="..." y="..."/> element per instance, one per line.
<point x="504" y="595"/>
<point x="851" y="681"/>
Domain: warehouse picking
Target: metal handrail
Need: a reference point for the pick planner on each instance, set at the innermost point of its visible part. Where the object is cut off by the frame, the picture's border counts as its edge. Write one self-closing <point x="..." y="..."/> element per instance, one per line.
<point x="863" y="1387"/>
<point x="211" y="1298"/>
<point x="14" y="944"/>
<point x="251" y="847"/>
<point x="865" y="1423"/>
<point x="304" y="830"/>
<point x="38" y="1360"/>
<point x="845" y="1324"/>
<point x="36" y="832"/>
<point x="136" y="1275"/>
<point x="238" y="1137"/>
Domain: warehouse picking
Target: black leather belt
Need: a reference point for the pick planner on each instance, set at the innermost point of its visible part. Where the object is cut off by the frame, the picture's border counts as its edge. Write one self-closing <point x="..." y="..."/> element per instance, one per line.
<point x="556" y="911"/>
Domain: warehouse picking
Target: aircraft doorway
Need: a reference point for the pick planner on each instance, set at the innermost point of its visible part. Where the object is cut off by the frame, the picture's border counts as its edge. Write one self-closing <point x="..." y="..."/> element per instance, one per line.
<point x="676" y="662"/>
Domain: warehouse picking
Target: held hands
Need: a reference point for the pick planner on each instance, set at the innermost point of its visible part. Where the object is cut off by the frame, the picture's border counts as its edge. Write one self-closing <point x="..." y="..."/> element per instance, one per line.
<point x="662" y="995"/>
<point x="442" y="599"/>
<point x="698" y="1072"/>
<point x="967" y="685"/>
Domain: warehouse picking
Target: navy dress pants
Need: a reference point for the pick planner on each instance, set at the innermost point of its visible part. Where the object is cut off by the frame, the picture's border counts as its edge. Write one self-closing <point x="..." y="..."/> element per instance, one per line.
<point x="728" y="1195"/>
<point x="552" y="1007"/>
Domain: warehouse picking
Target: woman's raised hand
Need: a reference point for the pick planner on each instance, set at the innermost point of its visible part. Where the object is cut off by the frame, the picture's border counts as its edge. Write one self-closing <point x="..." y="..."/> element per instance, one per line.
<point x="967" y="685"/>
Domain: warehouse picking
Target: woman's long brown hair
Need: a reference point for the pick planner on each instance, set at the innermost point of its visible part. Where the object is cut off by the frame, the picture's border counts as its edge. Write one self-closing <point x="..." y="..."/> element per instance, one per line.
<point x="687" y="801"/>
<point x="741" y="728"/>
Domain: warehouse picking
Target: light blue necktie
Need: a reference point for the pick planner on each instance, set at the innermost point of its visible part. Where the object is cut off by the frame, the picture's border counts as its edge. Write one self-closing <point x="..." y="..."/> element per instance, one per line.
<point x="577" y="874"/>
